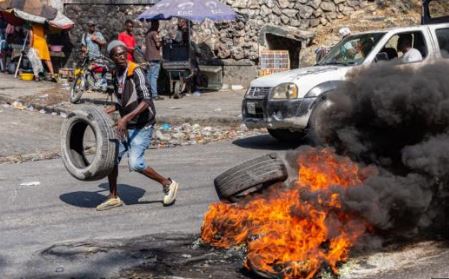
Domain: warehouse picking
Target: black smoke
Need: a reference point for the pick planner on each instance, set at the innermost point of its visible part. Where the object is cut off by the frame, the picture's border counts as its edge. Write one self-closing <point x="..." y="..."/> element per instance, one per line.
<point x="395" y="117"/>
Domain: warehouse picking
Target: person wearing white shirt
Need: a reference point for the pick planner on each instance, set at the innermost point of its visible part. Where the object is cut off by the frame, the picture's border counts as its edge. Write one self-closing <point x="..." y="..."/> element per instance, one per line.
<point x="410" y="54"/>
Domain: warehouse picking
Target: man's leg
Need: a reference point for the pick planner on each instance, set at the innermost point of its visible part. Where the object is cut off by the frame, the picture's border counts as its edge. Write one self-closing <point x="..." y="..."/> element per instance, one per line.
<point x="112" y="179"/>
<point x="140" y="139"/>
<point x="154" y="175"/>
<point x="113" y="199"/>
<point x="154" y="76"/>
<point x="49" y="66"/>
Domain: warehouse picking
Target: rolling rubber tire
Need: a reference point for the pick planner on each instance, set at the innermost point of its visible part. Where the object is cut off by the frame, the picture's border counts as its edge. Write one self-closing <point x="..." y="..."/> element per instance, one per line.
<point x="250" y="176"/>
<point x="72" y="135"/>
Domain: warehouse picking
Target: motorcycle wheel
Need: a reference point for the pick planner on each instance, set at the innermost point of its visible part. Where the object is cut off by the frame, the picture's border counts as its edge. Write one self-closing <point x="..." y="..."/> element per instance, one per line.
<point x="77" y="89"/>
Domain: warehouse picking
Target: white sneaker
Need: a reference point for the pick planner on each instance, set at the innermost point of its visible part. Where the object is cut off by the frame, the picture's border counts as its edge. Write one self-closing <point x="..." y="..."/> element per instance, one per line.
<point x="170" y="192"/>
<point x="196" y="93"/>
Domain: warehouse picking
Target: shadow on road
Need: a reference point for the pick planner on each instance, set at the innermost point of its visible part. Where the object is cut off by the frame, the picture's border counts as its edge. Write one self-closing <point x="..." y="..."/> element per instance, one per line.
<point x="267" y="142"/>
<point x="128" y="194"/>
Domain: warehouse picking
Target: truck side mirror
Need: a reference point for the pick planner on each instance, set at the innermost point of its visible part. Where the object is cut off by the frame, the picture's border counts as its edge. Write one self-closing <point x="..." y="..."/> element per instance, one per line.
<point x="381" y="56"/>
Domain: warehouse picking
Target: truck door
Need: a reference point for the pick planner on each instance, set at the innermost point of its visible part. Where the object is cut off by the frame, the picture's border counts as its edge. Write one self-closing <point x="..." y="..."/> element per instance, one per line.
<point x="441" y="34"/>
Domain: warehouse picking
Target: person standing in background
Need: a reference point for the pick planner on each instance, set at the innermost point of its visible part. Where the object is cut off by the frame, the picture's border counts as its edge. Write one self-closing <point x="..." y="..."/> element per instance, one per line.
<point x="39" y="43"/>
<point x="153" y="56"/>
<point x="92" y="41"/>
<point x="127" y="37"/>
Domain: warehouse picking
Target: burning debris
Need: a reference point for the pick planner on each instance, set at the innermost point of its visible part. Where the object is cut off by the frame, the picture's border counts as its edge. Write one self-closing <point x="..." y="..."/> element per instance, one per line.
<point x="293" y="232"/>
<point x="394" y="122"/>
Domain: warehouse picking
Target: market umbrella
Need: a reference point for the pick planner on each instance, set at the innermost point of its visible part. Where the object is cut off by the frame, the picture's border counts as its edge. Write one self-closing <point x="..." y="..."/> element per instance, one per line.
<point x="194" y="10"/>
<point x="16" y="12"/>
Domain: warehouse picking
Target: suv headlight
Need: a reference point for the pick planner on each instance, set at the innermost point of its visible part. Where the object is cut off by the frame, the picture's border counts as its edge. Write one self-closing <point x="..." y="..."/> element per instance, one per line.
<point x="285" y="91"/>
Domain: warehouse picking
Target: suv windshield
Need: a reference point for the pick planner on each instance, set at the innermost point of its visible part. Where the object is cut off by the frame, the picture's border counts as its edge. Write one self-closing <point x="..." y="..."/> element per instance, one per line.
<point x="351" y="50"/>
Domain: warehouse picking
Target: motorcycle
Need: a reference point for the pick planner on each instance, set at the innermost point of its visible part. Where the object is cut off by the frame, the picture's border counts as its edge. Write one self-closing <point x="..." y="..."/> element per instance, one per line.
<point x="94" y="75"/>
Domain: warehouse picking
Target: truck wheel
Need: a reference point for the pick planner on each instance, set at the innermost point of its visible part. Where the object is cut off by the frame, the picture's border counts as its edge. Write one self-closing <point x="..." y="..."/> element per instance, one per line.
<point x="73" y="149"/>
<point x="317" y="129"/>
<point x="285" y="135"/>
<point x="250" y="176"/>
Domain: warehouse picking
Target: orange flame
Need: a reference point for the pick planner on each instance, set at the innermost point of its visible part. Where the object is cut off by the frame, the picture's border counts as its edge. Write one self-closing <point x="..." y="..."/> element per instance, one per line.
<point x="292" y="232"/>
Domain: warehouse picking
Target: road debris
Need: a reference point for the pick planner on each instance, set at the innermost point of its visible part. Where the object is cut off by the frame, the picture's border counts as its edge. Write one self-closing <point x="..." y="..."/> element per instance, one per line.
<point x="188" y="134"/>
<point x="18" y="105"/>
<point x="32" y="183"/>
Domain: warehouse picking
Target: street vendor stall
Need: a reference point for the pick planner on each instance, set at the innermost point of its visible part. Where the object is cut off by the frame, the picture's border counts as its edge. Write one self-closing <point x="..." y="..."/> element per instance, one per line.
<point x="21" y="13"/>
<point x="178" y="58"/>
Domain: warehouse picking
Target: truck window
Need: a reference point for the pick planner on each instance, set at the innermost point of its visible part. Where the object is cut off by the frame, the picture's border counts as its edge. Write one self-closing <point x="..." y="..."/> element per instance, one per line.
<point x="439" y="8"/>
<point x="443" y="41"/>
<point x="412" y="43"/>
<point x="352" y="50"/>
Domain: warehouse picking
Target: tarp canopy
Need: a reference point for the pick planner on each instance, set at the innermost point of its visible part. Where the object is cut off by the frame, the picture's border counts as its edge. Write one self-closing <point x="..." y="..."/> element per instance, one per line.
<point x="16" y="12"/>
<point x="194" y="10"/>
<point x="39" y="8"/>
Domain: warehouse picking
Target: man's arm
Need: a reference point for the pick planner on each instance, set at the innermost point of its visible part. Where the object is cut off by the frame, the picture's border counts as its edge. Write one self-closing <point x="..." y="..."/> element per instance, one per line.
<point x="110" y="109"/>
<point x="31" y="38"/>
<point x="99" y="39"/>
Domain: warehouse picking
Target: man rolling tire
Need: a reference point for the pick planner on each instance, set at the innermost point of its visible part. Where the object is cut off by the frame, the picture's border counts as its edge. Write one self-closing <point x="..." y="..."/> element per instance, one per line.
<point x="135" y="127"/>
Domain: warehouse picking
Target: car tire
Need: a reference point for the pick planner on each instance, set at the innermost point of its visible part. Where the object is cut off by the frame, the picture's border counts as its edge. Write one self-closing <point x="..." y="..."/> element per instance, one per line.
<point x="317" y="130"/>
<point x="250" y="176"/>
<point x="285" y="135"/>
<point x="72" y="149"/>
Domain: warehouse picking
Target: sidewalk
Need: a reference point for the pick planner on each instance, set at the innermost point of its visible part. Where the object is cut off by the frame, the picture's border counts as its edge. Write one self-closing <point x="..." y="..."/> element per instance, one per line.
<point x="223" y="107"/>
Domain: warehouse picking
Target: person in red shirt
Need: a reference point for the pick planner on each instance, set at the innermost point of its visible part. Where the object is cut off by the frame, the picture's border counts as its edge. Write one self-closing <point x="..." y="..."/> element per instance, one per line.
<point x="128" y="39"/>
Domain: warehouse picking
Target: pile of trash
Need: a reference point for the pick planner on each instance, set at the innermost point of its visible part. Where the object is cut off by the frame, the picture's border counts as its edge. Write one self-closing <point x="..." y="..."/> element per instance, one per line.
<point x="166" y="135"/>
<point x="20" y="106"/>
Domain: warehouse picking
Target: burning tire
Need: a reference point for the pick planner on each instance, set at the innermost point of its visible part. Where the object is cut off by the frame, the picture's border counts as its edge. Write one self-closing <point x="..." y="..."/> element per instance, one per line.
<point x="73" y="147"/>
<point x="250" y="176"/>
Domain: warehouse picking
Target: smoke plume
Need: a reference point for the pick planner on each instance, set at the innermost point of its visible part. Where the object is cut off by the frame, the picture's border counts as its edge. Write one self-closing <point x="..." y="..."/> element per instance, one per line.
<point x="395" y="117"/>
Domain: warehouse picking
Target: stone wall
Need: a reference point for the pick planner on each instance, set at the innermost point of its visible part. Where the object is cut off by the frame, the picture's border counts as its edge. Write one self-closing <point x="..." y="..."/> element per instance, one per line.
<point x="239" y="39"/>
<point x="231" y="43"/>
<point x="235" y="40"/>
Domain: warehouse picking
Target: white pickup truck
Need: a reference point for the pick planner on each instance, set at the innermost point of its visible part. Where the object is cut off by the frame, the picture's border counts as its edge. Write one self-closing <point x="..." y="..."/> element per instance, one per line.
<point x="286" y="103"/>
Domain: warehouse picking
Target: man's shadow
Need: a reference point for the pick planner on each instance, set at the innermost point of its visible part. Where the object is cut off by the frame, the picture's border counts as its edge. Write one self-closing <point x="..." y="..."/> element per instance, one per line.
<point x="128" y="194"/>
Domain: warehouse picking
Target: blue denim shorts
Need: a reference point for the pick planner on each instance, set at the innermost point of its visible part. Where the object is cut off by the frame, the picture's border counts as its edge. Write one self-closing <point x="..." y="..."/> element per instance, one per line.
<point x="135" y="144"/>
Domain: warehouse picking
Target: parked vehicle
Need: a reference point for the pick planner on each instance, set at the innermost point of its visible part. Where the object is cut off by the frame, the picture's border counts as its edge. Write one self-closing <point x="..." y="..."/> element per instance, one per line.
<point x="92" y="75"/>
<point x="288" y="103"/>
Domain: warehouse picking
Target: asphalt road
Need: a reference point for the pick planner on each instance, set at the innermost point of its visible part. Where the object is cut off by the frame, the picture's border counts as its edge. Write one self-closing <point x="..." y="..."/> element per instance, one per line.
<point x="62" y="209"/>
<point x="26" y="132"/>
